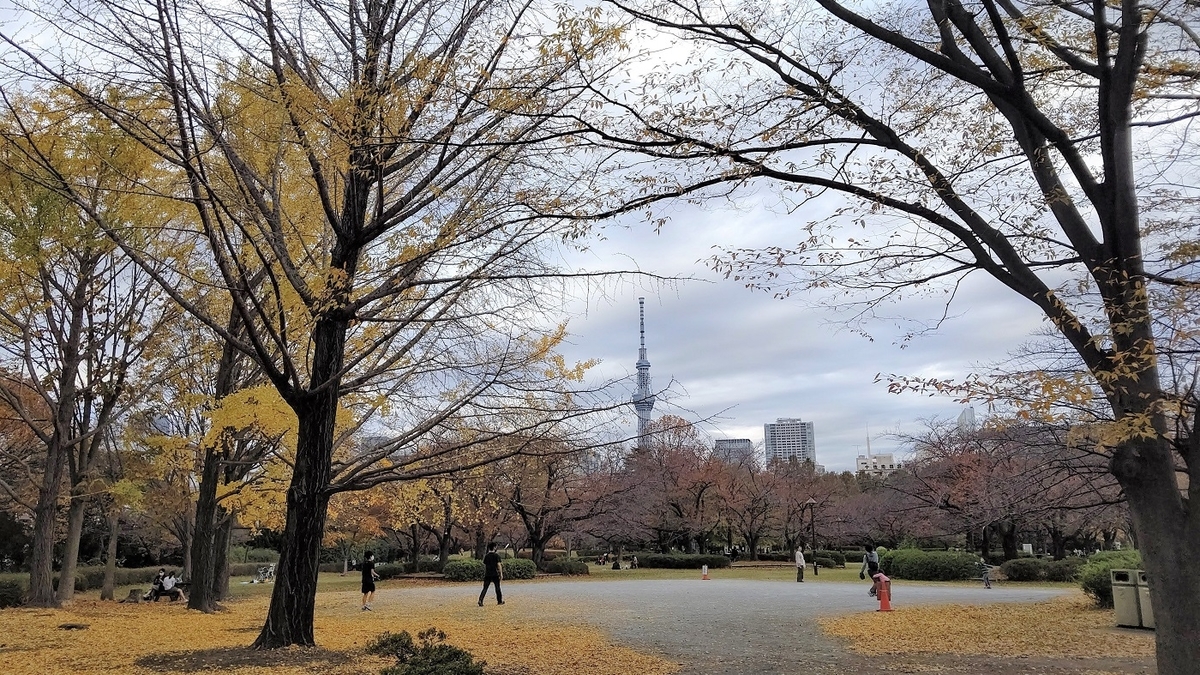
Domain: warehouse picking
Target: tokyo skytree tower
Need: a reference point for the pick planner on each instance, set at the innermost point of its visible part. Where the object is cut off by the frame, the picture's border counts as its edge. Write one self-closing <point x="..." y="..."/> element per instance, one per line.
<point x="643" y="400"/>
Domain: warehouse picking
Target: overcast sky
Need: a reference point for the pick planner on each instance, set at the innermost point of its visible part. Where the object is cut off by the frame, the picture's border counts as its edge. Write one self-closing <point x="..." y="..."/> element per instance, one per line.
<point x="740" y="358"/>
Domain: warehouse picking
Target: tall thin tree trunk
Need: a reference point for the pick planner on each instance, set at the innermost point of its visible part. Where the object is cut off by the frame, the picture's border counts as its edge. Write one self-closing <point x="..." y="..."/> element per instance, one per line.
<point x="110" y="562"/>
<point x="225" y="522"/>
<point x="204" y="550"/>
<point x="45" y="515"/>
<point x="480" y="543"/>
<point x="66" y="575"/>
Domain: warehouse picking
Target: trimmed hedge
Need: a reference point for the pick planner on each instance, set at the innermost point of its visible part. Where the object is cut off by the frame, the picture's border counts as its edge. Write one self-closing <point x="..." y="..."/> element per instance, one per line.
<point x="1025" y="569"/>
<point x="89" y="578"/>
<point x="681" y="561"/>
<point x="837" y="557"/>
<point x="565" y="566"/>
<point x="1094" y="576"/>
<point x="11" y="594"/>
<point x="518" y="568"/>
<point x="245" y="569"/>
<point x="464" y="569"/>
<point x="911" y="563"/>
<point x="1041" y="569"/>
<point x="822" y="561"/>
<point x="1066" y="569"/>
<point x="469" y="569"/>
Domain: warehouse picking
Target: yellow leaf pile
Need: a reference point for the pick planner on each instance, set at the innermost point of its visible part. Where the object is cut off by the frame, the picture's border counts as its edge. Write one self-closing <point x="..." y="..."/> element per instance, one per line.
<point x="1066" y="627"/>
<point x="168" y="638"/>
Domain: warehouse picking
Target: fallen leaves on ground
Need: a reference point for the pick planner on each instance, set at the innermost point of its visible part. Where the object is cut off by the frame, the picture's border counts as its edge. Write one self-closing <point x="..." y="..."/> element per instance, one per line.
<point x="1066" y="627"/>
<point x="169" y="638"/>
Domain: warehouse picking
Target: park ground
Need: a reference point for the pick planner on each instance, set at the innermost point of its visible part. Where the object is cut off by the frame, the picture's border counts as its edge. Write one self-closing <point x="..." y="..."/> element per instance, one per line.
<point x="741" y="622"/>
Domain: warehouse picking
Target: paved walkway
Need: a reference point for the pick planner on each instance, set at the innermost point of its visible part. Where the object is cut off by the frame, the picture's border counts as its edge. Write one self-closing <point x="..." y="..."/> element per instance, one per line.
<point x="730" y="627"/>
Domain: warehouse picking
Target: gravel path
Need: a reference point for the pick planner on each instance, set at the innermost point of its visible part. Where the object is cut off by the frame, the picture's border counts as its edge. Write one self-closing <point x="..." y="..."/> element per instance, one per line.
<point x="736" y="626"/>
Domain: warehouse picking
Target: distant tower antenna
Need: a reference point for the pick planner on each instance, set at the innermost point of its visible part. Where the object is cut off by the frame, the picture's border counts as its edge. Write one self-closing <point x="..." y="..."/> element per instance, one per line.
<point x="643" y="400"/>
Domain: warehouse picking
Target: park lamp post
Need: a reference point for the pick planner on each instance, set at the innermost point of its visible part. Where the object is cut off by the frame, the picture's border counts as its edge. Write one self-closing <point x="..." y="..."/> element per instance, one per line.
<point x="812" y="522"/>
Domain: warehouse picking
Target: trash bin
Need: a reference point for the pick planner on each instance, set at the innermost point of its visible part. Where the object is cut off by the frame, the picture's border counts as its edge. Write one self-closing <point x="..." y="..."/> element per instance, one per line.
<point x="1144" y="608"/>
<point x="1125" y="598"/>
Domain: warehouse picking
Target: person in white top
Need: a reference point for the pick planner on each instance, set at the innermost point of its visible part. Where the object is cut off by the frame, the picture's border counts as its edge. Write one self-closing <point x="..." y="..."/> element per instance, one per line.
<point x="800" y="563"/>
<point x="169" y="589"/>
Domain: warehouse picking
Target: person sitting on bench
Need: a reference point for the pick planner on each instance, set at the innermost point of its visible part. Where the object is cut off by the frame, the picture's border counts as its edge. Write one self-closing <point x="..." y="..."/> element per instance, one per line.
<point x="169" y="589"/>
<point x="156" y="585"/>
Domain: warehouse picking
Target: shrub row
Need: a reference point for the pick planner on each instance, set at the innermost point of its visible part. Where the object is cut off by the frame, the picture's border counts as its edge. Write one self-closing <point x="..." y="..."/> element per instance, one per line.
<point x="567" y="566"/>
<point x="10" y="594"/>
<point x="1040" y="569"/>
<point x="1094" y="576"/>
<point x="254" y="555"/>
<point x="469" y="569"/>
<point x="838" y="558"/>
<point x="90" y="578"/>
<point x="247" y="569"/>
<point x="918" y="565"/>
<point x="822" y="561"/>
<point x="682" y="561"/>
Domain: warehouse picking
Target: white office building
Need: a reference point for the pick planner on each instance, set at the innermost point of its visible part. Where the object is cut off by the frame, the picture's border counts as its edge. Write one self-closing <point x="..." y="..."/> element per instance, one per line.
<point x="876" y="465"/>
<point x="734" y="450"/>
<point x="790" y="440"/>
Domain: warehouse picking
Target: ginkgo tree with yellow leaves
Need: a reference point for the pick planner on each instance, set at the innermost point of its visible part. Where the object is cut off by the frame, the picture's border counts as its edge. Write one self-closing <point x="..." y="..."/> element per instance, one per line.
<point x="369" y="185"/>
<point x="80" y="324"/>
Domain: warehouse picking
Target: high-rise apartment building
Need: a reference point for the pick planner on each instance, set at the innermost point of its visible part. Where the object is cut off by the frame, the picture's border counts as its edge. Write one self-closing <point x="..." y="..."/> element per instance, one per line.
<point x="790" y="440"/>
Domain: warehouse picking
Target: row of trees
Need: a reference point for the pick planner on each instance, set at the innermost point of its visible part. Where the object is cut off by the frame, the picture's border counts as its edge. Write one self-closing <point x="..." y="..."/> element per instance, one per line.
<point x="986" y="489"/>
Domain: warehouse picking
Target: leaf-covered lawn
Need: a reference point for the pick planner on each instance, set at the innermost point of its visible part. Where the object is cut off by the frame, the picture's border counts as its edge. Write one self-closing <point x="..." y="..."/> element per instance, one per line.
<point x="1066" y="627"/>
<point x="168" y="638"/>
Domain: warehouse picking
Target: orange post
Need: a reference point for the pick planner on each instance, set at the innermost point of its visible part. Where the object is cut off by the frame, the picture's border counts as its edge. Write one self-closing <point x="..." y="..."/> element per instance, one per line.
<point x="883" y="589"/>
<point x="704" y="573"/>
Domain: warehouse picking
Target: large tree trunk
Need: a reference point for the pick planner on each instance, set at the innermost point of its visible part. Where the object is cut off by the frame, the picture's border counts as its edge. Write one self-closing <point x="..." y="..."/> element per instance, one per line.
<point x="290" y="616"/>
<point x="110" y="561"/>
<point x="66" y="575"/>
<point x="1169" y="530"/>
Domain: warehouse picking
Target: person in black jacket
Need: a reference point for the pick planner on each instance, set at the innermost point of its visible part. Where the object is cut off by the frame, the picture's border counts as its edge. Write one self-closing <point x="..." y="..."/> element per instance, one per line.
<point x="369" y="575"/>
<point x="493" y="572"/>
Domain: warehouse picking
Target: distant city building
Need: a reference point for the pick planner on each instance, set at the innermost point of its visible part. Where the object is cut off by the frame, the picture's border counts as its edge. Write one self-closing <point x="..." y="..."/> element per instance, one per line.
<point x="790" y="440"/>
<point x="876" y="465"/>
<point x="734" y="450"/>
<point x="966" y="420"/>
<point x="643" y="400"/>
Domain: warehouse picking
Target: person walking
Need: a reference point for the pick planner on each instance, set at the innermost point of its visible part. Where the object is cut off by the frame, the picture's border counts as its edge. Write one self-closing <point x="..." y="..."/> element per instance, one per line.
<point x="800" y="564"/>
<point x="493" y="573"/>
<point x="369" y="575"/>
<point x="870" y="566"/>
